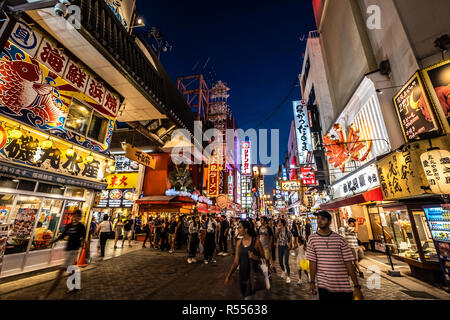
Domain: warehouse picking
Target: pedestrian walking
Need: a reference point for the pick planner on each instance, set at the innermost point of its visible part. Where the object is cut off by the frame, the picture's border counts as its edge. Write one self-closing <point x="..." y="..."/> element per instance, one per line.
<point x="147" y="234"/>
<point x="265" y="236"/>
<point x="128" y="231"/>
<point x="284" y="238"/>
<point x="295" y="236"/>
<point x="173" y="223"/>
<point x="194" y="239"/>
<point x="302" y="262"/>
<point x="331" y="261"/>
<point x="223" y="237"/>
<point x="118" y="228"/>
<point x="76" y="232"/>
<point x="249" y="253"/>
<point x="210" y="227"/>
<point x="104" y="229"/>
<point x="272" y="226"/>
<point x="351" y="236"/>
<point x="308" y="228"/>
<point x="233" y="233"/>
<point x="158" y="230"/>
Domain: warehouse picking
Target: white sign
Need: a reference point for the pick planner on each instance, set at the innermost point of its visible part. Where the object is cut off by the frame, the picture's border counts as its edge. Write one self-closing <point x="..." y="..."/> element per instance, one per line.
<point x="246" y="159"/>
<point x="436" y="164"/>
<point x="303" y="132"/>
<point x="230" y="186"/>
<point x="356" y="183"/>
<point x="238" y="187"/>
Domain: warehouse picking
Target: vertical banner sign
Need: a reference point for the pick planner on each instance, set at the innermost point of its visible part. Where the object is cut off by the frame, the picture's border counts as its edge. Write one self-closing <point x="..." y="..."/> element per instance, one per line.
<point x="3" y="238"/>
<point x="213" y="180"/>
<point x="415" y="111"/>
<point x="303" y="131"/>
<point x="231" y="186"/>
<point x="238" y="187"/>
<point x="308" y="177"/>
<point x="436" y="164"/>
<point x="246" y="159"/>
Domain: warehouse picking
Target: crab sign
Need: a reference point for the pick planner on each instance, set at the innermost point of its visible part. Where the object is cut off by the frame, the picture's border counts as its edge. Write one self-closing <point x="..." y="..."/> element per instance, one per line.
<point x="344" y="148"/>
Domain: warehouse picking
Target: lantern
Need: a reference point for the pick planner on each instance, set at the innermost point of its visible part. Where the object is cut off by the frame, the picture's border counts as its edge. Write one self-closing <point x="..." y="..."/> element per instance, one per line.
<point x="15" y="134"/>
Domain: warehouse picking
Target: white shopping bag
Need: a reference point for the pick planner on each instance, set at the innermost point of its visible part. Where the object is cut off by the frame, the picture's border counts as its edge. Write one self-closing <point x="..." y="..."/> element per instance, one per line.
<point x="265" y="271"/>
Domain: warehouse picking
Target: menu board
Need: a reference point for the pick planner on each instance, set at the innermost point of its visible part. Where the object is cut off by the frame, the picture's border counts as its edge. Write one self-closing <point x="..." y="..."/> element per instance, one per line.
<point x="3" y="237"/>
<point x="116" y="198"/>
<point x="24" y="222"/>
<point x="439" y="221"/>
<point x="415" y="111"/>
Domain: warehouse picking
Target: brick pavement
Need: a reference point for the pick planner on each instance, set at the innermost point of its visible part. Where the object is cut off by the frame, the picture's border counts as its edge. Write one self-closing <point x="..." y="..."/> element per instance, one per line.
<point x="150" y="274"/>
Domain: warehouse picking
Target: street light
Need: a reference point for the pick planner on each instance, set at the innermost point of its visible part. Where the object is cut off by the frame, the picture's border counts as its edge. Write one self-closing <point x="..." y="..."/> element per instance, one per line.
<point x="140" y="23"/>
<point x="256" y="170"/>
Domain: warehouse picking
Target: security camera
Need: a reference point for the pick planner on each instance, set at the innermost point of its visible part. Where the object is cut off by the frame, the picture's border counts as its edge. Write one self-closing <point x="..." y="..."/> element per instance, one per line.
<point x="61" y="7"/>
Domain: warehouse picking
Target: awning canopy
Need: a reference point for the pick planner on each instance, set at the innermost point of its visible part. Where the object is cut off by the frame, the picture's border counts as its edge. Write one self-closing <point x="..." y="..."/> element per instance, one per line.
<point x="369" y="196"/>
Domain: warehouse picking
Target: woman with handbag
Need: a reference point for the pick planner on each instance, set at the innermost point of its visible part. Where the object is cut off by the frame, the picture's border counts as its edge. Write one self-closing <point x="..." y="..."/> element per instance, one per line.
<point x="104" y="229"/>
<point x="248" y="256"/>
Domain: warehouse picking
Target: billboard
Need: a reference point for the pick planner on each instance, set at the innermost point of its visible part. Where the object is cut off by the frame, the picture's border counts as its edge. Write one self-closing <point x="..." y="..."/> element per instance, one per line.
<point x="303" y="131"/>
<point x="246" y="159"/>
<point x="308" y="177"/>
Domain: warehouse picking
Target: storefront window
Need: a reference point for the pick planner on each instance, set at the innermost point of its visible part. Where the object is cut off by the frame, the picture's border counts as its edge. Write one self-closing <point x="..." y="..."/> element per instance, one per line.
<point x="50" y="188"/>
<point x="426" y="239"/>
<point x="6" y="202"/>
<point x="381" y="221"/>
<point x="75" y="193"/>
<point x="79" y="117"/>
<point x="98" y="127"/>
<point x="48" y="222"/>
<point x="403" y="234"/>
<point x="23" y="220"/>
<point x="7" y="183"/>
<point x="69" y="209"/>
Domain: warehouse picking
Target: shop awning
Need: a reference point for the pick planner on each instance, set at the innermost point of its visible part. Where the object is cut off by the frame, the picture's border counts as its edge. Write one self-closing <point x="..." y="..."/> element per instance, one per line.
<point x="155" y="200"/>
<point x="369" y="196"/>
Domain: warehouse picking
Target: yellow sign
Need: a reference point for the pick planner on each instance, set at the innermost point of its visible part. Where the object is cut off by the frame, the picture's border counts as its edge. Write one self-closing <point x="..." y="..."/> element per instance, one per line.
<point x="401" y="173"/>
<point x="140" y="156"/>
<point x="122" y="181"/>
<point x="32" y="148"/>
<point x="290" y="186"/>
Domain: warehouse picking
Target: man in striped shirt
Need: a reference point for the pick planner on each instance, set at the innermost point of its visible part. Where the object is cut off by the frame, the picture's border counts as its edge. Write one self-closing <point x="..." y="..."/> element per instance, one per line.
<point x="331" y="261"/>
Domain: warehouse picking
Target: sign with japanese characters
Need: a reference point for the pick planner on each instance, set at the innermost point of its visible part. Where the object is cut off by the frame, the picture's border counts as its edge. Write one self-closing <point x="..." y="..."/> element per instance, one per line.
<point x="358" y="182"/>
<point x="39" y="79"/>
<point x="303" y="131"/>
<point x="140" y="156"/>
<point x="213" y="180"/>
<point x="308" y="177"/>
<point x="246" y="159"/>
<point x="289" y="186"/>
<point x="231" y="186"/>
<point x="31" y="148"/>
<point x="123" y="164"/>
<point x="436" y="164"/>
<point x="415" y="111"/>
<point x="437" y="79"/>
<point x="122" y="181"/>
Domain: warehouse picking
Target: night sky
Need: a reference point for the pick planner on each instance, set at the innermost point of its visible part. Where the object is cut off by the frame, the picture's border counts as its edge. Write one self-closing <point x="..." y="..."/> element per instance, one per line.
<point x="255" y="47"/>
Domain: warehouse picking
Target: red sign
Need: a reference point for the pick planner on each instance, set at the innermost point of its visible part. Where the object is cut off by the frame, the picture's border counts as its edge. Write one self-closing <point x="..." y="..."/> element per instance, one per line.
<point x="308" y="177"/>
<point x="213" y="180"/>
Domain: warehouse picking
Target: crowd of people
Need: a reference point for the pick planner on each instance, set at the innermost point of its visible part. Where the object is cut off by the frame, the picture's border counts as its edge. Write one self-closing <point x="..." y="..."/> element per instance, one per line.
<point x="325" y="258"/>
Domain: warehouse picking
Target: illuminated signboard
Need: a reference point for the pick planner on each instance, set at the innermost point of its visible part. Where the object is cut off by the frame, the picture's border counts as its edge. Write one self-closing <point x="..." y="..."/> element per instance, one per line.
<point x="246" y="159"/>
<point x="213" y="180"/>
<point x="358" y="182"/>
<point x="308" y="177"/>
<point x="285" y="177"/>
<point x="238" y="187"/>
<point x="303" y="131"/>
<point x="436" y="164"/>
<point x="289" y="186"/>
<point x="34" y="149"/>
<point x="231" y="186"/>
<point x="122" y="181"/>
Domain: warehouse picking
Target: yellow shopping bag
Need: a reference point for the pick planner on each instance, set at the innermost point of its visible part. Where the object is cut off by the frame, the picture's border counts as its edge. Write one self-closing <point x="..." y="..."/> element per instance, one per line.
<point x="304" y="265"/>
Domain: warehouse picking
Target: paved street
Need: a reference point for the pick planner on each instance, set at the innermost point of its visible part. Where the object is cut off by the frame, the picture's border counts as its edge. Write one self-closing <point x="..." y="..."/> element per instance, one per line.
<point x="148" y="274"/>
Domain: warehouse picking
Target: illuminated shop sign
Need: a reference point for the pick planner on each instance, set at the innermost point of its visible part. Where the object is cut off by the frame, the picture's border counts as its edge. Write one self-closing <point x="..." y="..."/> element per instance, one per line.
<point x="290" y="186"/>
<point x="231" y="186"/>
<point x="359" y="182"/>
<point x="246" y="159"/>
<point x="213" y="180"/>
<point x="25" y="146"/>
<point x="140" y="156"/>
<point x="303" y="131"/>
<point x="41" y="83"/>
<point x="436" y="164"/>
<point x="123" y="164"/>
<point x="116" y="198"/>
<point x="122" y="181"/>
<point x="308" y="177"/>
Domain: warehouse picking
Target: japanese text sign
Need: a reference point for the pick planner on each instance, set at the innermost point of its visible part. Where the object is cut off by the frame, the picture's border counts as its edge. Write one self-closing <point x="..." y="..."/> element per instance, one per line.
<point x="308" y="177"/>
<point x="122" y="181"/>
<point x="213" y="180"/>
<point x="140" y="156"/>
<point x="246" y="159"/>
<point x="303" y="131"/>
<point x="289" y="186"/>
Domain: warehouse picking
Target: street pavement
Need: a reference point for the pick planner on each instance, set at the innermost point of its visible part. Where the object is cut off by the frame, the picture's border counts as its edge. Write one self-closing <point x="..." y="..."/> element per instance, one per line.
<point x="149" y="274"/>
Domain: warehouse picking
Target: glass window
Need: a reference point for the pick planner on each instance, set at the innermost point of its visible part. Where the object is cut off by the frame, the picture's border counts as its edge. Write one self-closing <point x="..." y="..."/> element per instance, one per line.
<point x="403" y="234"/>
<point x="23" y="217"/>
<point x="98" y="127"/>
<point x="26" y="185"/>
<point x="50" y="188"/>
<point x="75" y="192"/>
<point x="7" y="183"/>
<point x="426" y="239"/>
<point x="79" y="117"/>
<point x="69" y="209"/>
<point x="6" y="202"/>
<point x="45" y="229"/>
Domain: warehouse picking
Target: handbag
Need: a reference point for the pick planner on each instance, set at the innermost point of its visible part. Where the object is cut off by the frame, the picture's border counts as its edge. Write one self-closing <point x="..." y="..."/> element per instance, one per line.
<point x="111" y="234"/>
<point x="257" y="278"/>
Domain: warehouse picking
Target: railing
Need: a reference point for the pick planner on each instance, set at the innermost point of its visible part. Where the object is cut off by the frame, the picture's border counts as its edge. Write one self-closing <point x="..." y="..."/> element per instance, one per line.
<point x="99" y="20"/>
<point x="314" y="34"/>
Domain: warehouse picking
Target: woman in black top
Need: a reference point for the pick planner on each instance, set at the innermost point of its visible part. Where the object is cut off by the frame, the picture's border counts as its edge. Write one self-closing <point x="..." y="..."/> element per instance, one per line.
<point x="248" y="248"/>
<point x="295" y="233"/>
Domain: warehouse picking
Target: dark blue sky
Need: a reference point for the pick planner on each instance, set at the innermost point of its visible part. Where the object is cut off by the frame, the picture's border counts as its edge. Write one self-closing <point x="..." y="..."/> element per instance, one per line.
<point x="253" y="46"/>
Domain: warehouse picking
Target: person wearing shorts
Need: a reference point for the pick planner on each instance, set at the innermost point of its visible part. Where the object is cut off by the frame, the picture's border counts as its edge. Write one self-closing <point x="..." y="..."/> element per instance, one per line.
<point x="128" y="231"/>
<point x="265" y="237"/>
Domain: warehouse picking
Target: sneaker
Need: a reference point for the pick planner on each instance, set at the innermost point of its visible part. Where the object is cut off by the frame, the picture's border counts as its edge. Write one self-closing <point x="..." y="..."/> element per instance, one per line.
<point x="220" y="253"/>
<point x="194" y="260"/>
<point x="283" y="275"/>
<point x="213" y="261"/>
<point x="189" y="260"/>
<point x="288" y="280"/>
<point x="299" y="282"/>
<point x="224" y="254"/>
<point x="206" y="261"/>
